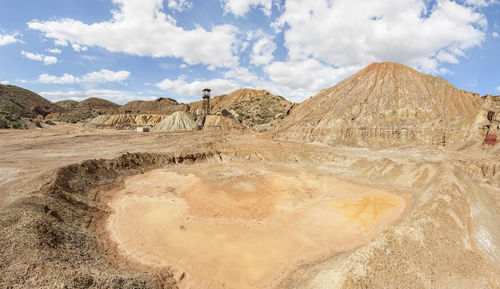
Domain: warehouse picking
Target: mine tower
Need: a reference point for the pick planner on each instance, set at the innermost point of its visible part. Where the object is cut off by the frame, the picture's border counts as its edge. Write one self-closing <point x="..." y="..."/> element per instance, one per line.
<point x="206" y="101"/>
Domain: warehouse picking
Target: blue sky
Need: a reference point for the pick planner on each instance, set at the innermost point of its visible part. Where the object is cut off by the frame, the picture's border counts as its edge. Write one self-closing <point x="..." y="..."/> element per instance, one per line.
<point x="142" y="49"/>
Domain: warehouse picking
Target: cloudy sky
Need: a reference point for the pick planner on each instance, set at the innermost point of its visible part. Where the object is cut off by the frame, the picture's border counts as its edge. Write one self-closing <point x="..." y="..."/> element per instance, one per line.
<point x="143" y="49"/>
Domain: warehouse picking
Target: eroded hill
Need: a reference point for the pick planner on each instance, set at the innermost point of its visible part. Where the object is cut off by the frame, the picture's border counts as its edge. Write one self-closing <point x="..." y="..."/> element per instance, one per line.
<point x="384" y="104"/>
<point x="249" y="106"/>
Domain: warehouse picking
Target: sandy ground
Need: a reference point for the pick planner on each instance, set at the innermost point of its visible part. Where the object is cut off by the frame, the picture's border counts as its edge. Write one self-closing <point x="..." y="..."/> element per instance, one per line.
<point x="254" y="186"/>
<point x="236" y="226"/>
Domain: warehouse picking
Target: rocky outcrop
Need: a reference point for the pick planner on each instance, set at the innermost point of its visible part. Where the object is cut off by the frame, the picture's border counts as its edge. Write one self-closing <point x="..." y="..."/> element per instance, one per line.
<point x="250" y="107"/>
<point x="125" y="120"/>
<point x="385" y="104"/>
<point x="486" y="125"/>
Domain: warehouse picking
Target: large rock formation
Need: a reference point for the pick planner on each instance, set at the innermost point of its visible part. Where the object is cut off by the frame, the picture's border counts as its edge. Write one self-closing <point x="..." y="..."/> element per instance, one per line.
<point x="249" y="106"/>
<point x="123" y="120"/>
<point x="384" y="104"/>
<point x="486" y="125"/>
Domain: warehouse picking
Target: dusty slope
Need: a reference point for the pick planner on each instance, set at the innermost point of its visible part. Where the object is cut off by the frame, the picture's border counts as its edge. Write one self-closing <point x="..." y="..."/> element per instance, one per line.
<point x="17" y="103"/>
<point x="251" y="107"/>
<point x="220" y="122"/>
<point x="384" y="104"/>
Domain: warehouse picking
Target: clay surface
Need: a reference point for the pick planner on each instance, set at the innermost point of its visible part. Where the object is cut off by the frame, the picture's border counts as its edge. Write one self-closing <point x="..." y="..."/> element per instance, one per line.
<point x="237" y="227"/>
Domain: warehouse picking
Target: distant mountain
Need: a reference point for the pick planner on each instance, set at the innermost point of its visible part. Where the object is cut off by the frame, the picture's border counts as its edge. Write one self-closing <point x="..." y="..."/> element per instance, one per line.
<point x="251" y="107"/>
<point x="158" y="106"/>
<point x="83" y="110"/>
<point x="18" y="104"/>
<point x="94" y="103"/>
<point x="384" y="104"/>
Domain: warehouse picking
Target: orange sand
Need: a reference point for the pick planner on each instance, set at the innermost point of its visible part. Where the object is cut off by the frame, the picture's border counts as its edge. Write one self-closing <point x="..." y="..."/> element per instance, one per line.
<point x="225" y="227"/>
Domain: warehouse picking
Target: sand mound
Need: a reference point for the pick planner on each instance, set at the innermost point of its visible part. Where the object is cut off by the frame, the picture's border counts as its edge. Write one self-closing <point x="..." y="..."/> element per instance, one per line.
<point x="177" y="121"/>
<point x="220" y="122"/>
<point x="384" y="104"/>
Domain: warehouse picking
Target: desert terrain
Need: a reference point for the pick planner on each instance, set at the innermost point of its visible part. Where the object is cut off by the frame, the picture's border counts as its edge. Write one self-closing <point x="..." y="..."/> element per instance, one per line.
<point x="387" y="180"/>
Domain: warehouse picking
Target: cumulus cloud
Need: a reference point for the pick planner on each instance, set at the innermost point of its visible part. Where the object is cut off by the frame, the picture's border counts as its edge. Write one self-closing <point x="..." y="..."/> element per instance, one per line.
<point x="139" y="27"/>
<point x="498" y="88"/>
<point x="241" y="7"/>
<point x="300" y="79"/>
<point x="79" y="48"/>
<point x="480" y="3"/>
<point x="495" y="34"/>
<point x="54" y="51"/>
<point x="101" y="76"/>
<point x="262" y="51"/>
<point x="8" y="39"/>
<point x="341" y="33"/>
<point x="4" y="82"/>
<point x="182" y="87"/>
<point x="47" y="60"/>
<point x="116" y="96"/>
<point x="179" y="5"/>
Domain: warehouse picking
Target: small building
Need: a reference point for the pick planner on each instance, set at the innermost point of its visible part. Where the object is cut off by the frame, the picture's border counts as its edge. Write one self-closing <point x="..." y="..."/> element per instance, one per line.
<point x="143" y="129"/>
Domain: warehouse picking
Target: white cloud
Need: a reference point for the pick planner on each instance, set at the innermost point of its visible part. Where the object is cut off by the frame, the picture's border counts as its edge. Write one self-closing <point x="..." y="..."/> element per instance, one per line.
<point x="4" y="82"/>
<point x="480" y="3"/>
<point x="79" y="48"/>
<point x="47" y="60"/>
<point x="183" y="65"/>
<point x="54" y="51"/>
<point x="262" y="51"/>
<point x="242" y="74"/>
<point x="498" y="88"/>
<point x="101" y="76"/>
<point x="343" y="33"/>
<point x="299" y="79"/>
<point x="241" y="7"/>
<point x="495" y="34"/>
<point x="183" y="88"/>
<point x="116" y="96"/>
<point x="179" y="5"/>
<point x="8" y="39"/>
<point x="139" y="27"/>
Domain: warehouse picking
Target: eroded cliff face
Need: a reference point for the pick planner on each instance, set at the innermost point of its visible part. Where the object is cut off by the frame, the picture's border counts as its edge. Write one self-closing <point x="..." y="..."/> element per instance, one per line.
<point x="384" y="104"/>
<point x="486" y="125"/>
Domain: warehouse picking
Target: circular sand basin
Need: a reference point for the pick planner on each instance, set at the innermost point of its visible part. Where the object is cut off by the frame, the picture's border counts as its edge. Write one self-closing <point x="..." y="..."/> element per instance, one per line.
<point x="234" y="227"/>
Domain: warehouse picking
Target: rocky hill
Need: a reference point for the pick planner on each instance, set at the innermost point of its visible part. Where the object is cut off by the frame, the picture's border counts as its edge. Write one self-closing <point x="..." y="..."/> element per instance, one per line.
<point x="18" y="106"/>
<point x="384" y="104"/>
<point x="67" y="104"/>
<point x="159" y="106"/>
<point x="94" y="103"/>
<point x="251" y="107"/>
<point x="83" y="110"/>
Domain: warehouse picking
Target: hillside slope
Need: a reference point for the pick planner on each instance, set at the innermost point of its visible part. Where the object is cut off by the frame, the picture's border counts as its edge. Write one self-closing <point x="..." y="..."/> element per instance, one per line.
<point x="83" y="110"/>
<point x="251" y="107"/>
<point x="159" y="106"/>
<point x="17" y="103"/>
<point x="384" y="104"/>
